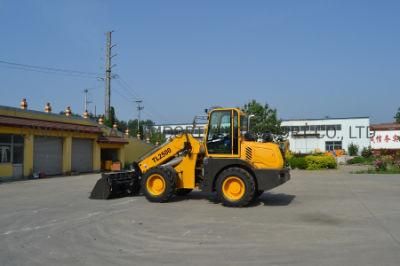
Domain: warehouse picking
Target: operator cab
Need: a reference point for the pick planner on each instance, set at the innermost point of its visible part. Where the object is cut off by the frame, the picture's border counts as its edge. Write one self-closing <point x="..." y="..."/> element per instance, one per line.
<point x="224" y="131"/>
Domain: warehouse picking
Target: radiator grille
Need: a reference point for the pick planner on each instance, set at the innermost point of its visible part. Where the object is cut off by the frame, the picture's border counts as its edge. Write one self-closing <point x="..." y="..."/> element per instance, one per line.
<point x="249" y="153"/>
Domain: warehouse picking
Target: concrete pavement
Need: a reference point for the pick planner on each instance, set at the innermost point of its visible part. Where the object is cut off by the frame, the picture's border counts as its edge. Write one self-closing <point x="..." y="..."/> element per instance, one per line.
<point x="318" y="218"/>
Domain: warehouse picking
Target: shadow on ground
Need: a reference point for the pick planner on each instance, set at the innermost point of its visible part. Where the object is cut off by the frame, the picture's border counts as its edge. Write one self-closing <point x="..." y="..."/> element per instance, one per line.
<point x="280" y="199"/>
<point x="266" y="199"/>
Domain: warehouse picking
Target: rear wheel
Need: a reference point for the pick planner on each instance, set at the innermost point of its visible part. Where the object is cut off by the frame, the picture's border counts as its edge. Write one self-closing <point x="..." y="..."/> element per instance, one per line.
<point x="235" y="187"/>
<point x="183" y="191"/>
<point x="159" y="184"/>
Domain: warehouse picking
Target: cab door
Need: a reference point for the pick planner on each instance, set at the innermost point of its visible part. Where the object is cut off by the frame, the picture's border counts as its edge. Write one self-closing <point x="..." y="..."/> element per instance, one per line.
<point x="222" y="139"/>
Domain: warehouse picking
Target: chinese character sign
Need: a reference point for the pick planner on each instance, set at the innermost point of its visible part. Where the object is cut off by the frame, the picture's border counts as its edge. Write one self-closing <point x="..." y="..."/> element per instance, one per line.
<point x="389" y="139"/>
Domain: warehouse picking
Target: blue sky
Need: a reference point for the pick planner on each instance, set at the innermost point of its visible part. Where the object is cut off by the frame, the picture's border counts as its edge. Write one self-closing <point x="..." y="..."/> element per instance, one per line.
<point x="308" y="59"/>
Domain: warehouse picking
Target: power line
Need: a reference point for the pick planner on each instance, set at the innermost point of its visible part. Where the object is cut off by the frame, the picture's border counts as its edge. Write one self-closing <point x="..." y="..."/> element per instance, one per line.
<point x="126" y="86"/>
<point x="47" y="69"/>
<point x="129" y="89"/>
<point x="48" y="72"/>
<point x="127" y="99"/>
<point x="123" y="86"/>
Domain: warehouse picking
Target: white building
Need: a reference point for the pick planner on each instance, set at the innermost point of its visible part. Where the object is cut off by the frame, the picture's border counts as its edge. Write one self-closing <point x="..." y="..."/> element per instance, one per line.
<point x="170" y="130"/>
<point x="385" y="136"/>
<point x="310" y="135"/>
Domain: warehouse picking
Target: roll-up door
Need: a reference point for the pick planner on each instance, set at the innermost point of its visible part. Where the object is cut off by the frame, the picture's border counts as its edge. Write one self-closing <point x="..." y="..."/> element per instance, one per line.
<point x="47" y="155"/>
<point x="82" y="155"/>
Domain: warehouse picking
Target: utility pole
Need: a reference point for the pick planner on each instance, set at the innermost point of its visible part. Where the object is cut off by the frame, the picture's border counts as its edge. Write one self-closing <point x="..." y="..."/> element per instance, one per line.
<point x="139" y="109"/>
<point x="108" y="76"/>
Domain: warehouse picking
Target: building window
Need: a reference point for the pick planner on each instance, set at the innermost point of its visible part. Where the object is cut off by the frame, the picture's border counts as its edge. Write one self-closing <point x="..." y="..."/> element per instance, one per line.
<point x="333" y="145"/>
<point x="11" y="149"/>
<point x="312" y="128"/>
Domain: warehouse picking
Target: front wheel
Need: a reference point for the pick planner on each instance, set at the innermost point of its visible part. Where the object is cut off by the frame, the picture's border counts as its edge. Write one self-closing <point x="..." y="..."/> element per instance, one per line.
<point x="159" y="184"/>
<point x="235" y="187"/>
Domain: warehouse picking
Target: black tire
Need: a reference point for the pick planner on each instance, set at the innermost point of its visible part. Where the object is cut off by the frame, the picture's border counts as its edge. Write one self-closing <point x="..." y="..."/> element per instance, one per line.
<point x="135" y="187"/>
<point x="136" y="183"/>
<point x="249" y="187"/>
<point x="169" y="177"/>
<point x="183" y="191"/>
<point x="257" y="194"/>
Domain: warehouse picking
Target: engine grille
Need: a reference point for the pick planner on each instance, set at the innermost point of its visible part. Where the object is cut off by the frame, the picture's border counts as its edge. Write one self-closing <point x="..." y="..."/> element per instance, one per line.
<point x="249" y="154"/>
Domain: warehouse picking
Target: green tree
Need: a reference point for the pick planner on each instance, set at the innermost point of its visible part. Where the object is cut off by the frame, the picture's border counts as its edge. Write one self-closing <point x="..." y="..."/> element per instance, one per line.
<point x="397" y="116"/>
<point x="157" y="137"/>
<point x="353" y="149"/>
<point x="122" y="125"/>
<point x="265" y="118"/>
<point x="113" y="118"/>
<point x="145" y="127"/>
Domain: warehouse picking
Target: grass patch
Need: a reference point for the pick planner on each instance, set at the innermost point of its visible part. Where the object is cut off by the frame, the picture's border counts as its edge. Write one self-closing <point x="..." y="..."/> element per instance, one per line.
<point x="388" y="171"/>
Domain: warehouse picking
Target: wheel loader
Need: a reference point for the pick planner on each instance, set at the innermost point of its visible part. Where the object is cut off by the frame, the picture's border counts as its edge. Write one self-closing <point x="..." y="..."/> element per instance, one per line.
<point x="228" y="161"/>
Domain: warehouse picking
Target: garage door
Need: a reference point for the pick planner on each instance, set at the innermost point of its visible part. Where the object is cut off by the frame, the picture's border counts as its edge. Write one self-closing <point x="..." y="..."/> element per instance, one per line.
<point x="47" y="155"/>
<point x="82" y="155"/>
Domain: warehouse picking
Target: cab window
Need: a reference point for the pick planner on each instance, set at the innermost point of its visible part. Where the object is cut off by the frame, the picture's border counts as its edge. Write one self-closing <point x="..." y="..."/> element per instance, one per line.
<point x="219" y="138"/>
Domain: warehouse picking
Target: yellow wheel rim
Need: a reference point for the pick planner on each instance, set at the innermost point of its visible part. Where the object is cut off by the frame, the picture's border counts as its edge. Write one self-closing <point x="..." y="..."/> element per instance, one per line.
<point x="155" y="184"/>
<point x="233" y="188"/>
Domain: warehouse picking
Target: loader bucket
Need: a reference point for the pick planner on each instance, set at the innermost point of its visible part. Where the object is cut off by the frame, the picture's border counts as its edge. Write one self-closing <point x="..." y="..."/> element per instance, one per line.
<point x="116" y="184"/>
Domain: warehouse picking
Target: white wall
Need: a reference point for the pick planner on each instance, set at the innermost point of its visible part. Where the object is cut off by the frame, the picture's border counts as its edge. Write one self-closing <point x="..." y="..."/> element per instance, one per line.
<point x="353" y="130"/>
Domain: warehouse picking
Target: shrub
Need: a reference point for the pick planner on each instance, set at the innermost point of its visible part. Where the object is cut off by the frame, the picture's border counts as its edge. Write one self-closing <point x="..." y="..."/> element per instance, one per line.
<point x="361" y="160"/>
<point x="385" y="162"/>
<point x="353" y="149"/>
<point x="356" y="160"/>
<point x="320" y="162"/>
<point x="380" y="165"/>
<point x="366" y="152"/>
<point x="297" y="162"/>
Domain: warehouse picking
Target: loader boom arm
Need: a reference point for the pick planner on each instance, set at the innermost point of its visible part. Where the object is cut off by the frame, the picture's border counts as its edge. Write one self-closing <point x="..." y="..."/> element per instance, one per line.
<point x="181" y="144"/>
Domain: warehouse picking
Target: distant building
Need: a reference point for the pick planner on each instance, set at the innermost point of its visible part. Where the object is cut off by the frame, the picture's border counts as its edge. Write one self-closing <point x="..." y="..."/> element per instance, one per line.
<point x="329" y="134"/>
<point x="385" y="136"/>
<point x="170" y="130"/>
<point x="304" y="135"/>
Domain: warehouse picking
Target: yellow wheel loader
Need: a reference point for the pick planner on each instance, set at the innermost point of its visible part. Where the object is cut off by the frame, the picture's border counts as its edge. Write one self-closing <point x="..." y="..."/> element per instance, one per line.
<point x="228" y="162"/>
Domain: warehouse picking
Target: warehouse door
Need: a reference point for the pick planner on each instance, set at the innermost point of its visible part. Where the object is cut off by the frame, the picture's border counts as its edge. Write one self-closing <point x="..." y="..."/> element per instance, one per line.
<point x="47" y="155"/>
<point x="82" y="155"/>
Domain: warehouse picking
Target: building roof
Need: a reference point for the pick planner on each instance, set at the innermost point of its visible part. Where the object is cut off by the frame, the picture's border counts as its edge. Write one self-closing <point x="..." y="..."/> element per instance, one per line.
<point x="111" y="139"/>
<point x="50" y="125"/>
<point x="386" y="126"/>
<point x="53" y="117"/>
<point x="326" y="118"/>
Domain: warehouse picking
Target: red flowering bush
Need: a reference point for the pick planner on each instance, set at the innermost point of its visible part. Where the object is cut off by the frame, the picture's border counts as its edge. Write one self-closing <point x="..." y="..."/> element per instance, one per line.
<point x="380" y="165"/>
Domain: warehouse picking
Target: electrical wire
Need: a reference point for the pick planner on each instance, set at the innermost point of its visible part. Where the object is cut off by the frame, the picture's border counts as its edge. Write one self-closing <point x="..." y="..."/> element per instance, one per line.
<point x="46" y="72"/>
<point x="129" y="89"/>
<point x="123" y="96"/>
<point x="48" y="68"/>
<point x="82" y="74"/>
